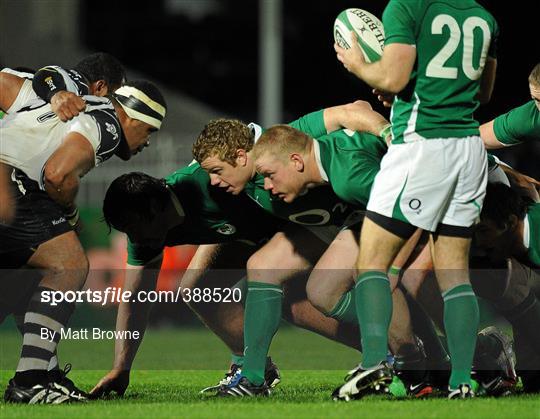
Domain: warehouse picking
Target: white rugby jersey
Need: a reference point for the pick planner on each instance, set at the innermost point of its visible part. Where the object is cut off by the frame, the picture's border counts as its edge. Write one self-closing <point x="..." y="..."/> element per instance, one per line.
<point x="74" y="81"/>
<point x="31" y="135"/>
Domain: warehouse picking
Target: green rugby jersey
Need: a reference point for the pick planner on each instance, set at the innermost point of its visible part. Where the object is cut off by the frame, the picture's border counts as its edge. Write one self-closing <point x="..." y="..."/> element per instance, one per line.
<point x="452" y="39"/>
<point x="317" y="207"/>
<point x="519" y="124"/>
<point x="211" y="216"/>
<point x="312" y="124"/>
<point x="532" y="233"/>
<point x="349" y="161"/>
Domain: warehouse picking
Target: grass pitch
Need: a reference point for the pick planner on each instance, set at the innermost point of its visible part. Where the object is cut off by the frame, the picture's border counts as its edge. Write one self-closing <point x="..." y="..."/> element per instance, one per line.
<point x="175" y="364"/>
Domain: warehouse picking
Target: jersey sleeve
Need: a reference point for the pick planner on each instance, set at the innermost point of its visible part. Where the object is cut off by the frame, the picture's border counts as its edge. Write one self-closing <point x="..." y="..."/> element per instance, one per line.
<point x="139" y="255"/>
<point x="312" y="124"/>
<point x="52" y="79"/>
<point x="519" y="124"/>
<point x="101" y="130"/>
<point x="21" y="74"/>
<point x="86" y="126"/>
<point x="399" y="24"/>
<point x="25" y="95"/>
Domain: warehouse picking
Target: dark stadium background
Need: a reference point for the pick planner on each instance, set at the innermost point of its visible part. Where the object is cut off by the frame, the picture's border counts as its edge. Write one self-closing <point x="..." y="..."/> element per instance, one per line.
<point x="214" y="56"/>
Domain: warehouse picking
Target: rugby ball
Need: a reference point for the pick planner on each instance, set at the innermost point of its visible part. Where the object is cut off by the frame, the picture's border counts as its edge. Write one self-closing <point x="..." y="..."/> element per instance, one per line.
<point x="368" y="27"/>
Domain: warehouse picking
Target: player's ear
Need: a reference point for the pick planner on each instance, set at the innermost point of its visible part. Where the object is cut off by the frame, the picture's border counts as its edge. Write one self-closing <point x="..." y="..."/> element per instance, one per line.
<point x="298" y="162"/>
<point x="99" y="88"/>
<point x="241" y="157"/>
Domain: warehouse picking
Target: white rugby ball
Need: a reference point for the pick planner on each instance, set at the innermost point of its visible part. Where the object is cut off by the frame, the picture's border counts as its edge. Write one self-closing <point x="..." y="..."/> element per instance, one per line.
<point x="368" y="27"/>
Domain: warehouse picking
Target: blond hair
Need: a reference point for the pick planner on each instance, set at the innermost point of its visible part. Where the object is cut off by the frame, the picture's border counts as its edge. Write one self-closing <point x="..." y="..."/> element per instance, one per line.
<point x="222" y="138"/>
<point x="534" y="77"/>
<point x="281" y="141"/>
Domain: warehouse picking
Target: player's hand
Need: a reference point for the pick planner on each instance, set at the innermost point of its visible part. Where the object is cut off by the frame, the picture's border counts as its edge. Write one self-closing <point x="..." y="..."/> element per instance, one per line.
<point x="527" y="184"/>
<point x="352" y="58"/>
<point x="386" y="98"/>
<point x="530" y="185"/>
<point x="67" y="105"/>
<point x="115" y="380"/>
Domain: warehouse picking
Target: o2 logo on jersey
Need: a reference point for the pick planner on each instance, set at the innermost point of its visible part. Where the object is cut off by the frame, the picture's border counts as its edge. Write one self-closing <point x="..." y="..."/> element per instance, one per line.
<point x="226" y="229"/>
<point x="312" y="217"/>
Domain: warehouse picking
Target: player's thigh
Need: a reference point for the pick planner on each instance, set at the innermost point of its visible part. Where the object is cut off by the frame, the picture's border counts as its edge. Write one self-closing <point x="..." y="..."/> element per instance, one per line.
<point x="63" y="261"/>
<point x="285" y="255"/>
<point x="450" y="260"/>
<point x="418" y="267"/>
<point x="378" y="247"/>
<point x="38" y="220"/>
<point x="333" y="275"/>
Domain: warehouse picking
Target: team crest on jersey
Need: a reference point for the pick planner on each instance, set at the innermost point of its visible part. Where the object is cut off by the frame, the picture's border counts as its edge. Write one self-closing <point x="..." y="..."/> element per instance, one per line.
<point x="227" y="229"/>
<point x="112" y="129"/>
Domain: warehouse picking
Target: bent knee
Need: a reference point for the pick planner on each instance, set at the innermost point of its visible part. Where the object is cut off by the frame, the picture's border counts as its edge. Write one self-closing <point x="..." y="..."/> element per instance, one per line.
<point x="318" y="299"/>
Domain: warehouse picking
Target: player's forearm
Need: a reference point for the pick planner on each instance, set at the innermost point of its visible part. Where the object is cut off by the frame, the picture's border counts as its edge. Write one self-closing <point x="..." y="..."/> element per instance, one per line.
<point x="62" y="189"/>
<point x="392" y="72"/>
<point x="366" y="120"/>
<point x="357" y="116"/>
<point x="488" y="136"/>
<point x="133" y="315"/>
<point x="377" y="76"/>
<point x="47" y="82"/>
<point x="487" y="82"/>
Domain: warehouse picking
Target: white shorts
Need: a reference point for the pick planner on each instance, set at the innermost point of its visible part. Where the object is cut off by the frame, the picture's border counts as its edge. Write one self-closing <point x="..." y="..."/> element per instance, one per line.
<point x="429" y="182"/>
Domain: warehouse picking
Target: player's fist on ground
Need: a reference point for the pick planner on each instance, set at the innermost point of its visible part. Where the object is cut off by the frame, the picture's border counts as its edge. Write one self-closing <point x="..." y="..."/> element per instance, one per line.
<point x="115" y="380"/>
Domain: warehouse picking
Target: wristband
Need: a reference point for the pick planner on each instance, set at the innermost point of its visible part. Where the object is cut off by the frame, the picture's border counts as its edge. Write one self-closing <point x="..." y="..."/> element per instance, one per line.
<point x="385" y="131"/>
<point x="394" y="270"/>
<point x="73" y="217"/>
<point x="51" y="94"/>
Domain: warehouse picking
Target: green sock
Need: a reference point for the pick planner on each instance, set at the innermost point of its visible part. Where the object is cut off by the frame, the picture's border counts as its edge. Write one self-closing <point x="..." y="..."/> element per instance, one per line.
<point x="461" y="318"/>
<point x="345" y="309"/>
<point x="237" y="359"/>
<point x="261" y="321"/>
<point x="374" y="312"/>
